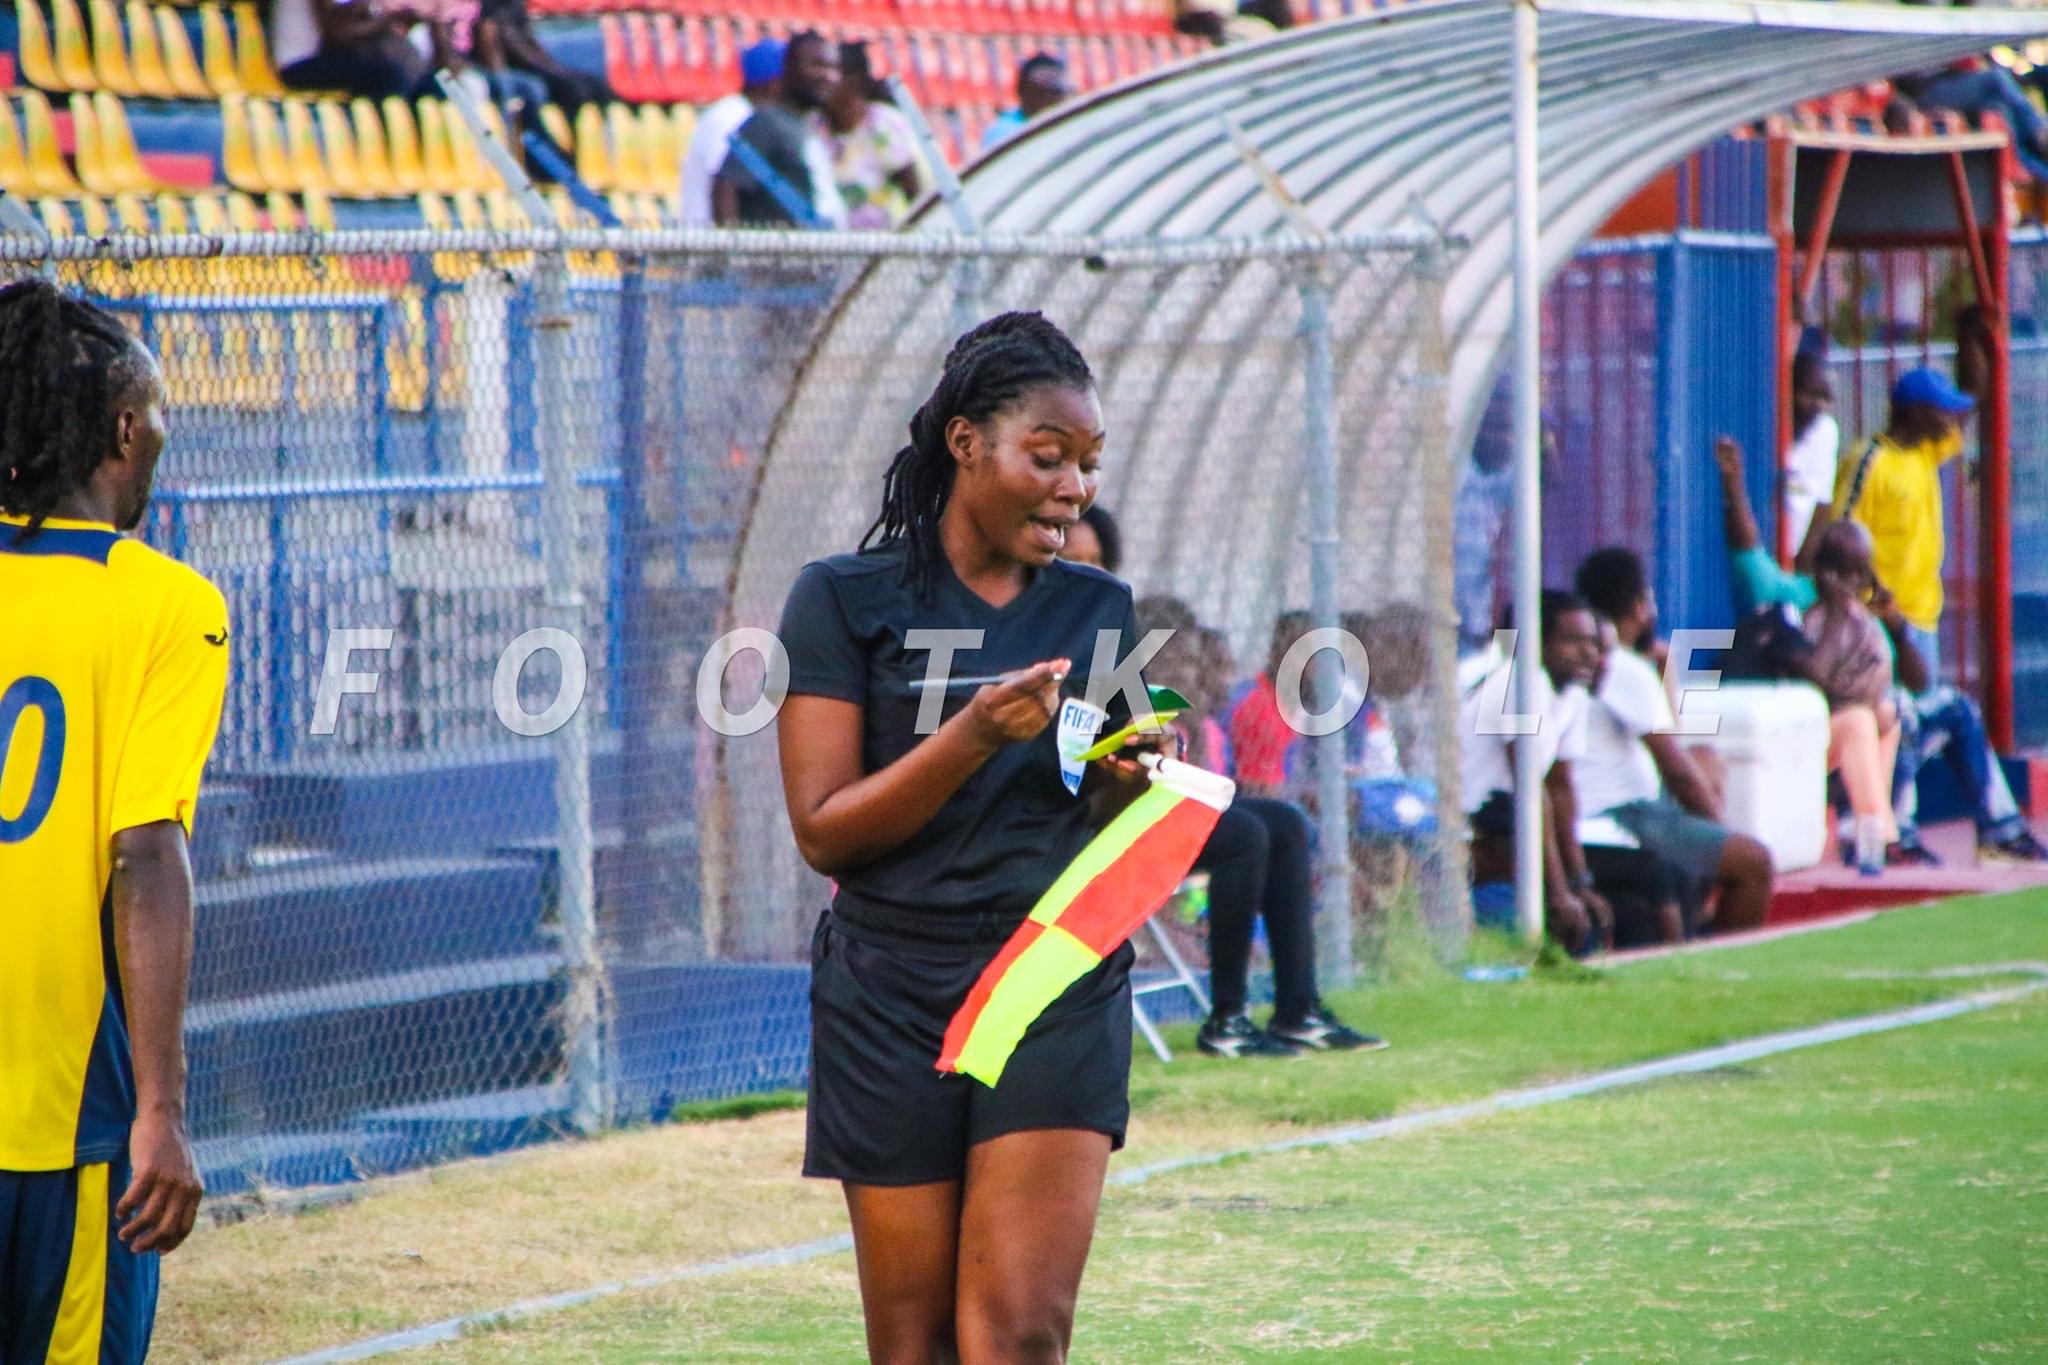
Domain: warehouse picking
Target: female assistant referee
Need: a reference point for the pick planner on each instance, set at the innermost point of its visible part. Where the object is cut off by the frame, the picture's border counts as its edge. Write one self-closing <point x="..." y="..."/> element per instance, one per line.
<point x="972" y="1207"/>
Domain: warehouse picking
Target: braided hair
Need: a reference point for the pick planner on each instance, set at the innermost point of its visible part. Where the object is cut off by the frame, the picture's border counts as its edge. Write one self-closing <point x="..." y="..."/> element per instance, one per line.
<point x="989" y="368"/>
<point x="64" y="364"/>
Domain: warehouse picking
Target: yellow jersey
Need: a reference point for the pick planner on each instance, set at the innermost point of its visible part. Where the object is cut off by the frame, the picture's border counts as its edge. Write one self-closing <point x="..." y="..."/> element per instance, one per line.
<point x="113" y="666"/>
<point x="1899" y="503"/>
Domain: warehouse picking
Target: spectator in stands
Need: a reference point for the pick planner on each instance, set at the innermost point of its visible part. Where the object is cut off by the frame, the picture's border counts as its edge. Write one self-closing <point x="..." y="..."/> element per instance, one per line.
<point x="1637" y="771"/>
<point x="1977" y="86"/>
<point x="874" y="150"/>
<point x="1576" y="913"/>
<point x="1816" y="447"/>
<point x="362" y="47"/>
<point x="1096" y="539"/>
<point x="778" y="170"/>
<point x="1259" y="868"/>
<point x="508" y="50"/>
<point x="1261" y="734"/>
<point x="760" y="83"/>
<point x="1229" y="21"/>
<point x="1894" y="488"/>
<point x="1042" y="82"/>
<point x="1840" y="646"/>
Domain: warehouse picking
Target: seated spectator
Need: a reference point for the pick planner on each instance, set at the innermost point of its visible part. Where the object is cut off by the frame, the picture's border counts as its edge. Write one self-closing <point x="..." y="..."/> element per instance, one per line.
<point x="1636" y="770"/>
<point x="513" y="60"/>
<point x="1227" y="21"/>
<point x="1840" y="647"/>
<point x="1259" y="868"/>
<point x="874" y="150"/>
<point x="1977" y="86"/>
<point x="777" y="171"/>
<point x="760" y="83"/>
<point x="365" y="48"/>
<point x="1042" y="82"/>
<point x="1398" y="648"/>
<point x="1575" y="912"/>
<point x="1260" y="732"/>
<point x="1816" y="447"/>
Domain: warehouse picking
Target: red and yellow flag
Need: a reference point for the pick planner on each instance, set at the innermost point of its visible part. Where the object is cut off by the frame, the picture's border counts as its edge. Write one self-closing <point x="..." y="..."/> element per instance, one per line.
<point x="1123" y="875"/>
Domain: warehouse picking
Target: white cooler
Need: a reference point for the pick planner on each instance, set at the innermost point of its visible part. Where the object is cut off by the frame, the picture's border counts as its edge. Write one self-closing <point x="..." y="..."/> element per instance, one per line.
<point x="1773" y="740"/>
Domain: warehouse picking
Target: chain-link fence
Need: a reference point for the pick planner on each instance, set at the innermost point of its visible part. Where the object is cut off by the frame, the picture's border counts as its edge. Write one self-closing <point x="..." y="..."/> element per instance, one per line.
<point x="450" y="484"/>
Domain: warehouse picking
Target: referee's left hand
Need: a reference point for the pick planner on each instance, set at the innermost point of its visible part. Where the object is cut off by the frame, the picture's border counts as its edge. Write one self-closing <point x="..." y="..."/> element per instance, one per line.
<point x="162" y="1200"/>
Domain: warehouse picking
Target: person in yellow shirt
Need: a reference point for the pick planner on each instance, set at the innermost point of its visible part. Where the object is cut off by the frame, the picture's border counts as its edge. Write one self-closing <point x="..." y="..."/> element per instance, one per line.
<point x="1893" y="487"/>
<point x="113" y="664"/>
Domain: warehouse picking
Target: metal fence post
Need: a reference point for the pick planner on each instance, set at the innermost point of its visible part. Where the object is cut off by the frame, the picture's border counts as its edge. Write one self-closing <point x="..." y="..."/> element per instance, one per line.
<point x="1333" y="922"/>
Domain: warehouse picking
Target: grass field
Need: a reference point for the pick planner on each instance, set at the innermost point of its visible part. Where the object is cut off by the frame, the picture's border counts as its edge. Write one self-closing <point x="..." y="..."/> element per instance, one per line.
<point x="1884" y="1198"/>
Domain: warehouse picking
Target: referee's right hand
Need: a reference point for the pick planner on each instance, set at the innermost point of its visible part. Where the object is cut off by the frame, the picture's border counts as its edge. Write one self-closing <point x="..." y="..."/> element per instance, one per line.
<point x="1022" y="704"/>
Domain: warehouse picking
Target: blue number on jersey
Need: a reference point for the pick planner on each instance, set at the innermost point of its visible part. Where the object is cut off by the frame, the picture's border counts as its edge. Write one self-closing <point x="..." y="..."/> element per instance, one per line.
<point x="42" y="694"/>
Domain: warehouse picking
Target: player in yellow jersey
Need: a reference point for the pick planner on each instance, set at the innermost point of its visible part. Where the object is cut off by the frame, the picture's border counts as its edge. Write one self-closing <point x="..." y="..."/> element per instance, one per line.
<point x="113" y="663"/>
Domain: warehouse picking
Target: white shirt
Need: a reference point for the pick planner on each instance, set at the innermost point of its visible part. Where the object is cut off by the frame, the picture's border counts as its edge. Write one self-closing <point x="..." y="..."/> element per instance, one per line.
<point x="1487" y="766"/>
<point x="1810" y="474"/>
<point x="709" y="143"/>
<point x="1617" y="767"/>
<point x="294" y="34"/>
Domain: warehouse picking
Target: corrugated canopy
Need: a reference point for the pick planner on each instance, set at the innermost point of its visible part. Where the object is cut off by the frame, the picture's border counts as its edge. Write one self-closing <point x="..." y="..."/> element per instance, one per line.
<point x="1366" y="119"/>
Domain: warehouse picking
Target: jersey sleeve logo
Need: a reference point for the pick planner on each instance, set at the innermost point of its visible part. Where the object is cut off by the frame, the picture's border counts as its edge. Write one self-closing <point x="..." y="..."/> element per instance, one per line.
<point x="217" y="640"/>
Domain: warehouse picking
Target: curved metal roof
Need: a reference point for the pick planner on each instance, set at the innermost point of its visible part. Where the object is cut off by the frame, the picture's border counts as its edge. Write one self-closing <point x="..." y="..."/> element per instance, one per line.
<point x="1367" y="119"/>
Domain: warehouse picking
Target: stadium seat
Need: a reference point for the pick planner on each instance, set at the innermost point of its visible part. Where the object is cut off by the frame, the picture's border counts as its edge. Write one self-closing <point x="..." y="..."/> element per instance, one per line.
<point x="593" y="154"/>
<point x="302" y="147"/>
<point x="172" y="220"/>
<point x="183" y="67"/>
<point x="555" y="124"/>
<point x="402" y="134"/>
<point x="238" y="146"/>
<point x="243" y="215"/>
<point x="131" y="214"/>
<point x="117" y="144"/>
<point x="74" y="54"/>
<point x="145" y="56"/>
<point x="95" y="168"/>
<point x="252" y="53"/>
<point x="47" y="173"/>
<point x="338" y="147"/>
<point x="437" y="151"/>
<point x="472" y="172"/>
<point x="629" y="155"/>
<point x="266" y="136"/>
<point x="664" y="144"/>
<point x="32" y="38"/>
<point x="57" y="219"/>
<point x="110" y="50"/>
<point x="364" y="134"/>
<point x="210" y="215"/>
<point x="14" y="176"/>
<point x="217" y="52"/>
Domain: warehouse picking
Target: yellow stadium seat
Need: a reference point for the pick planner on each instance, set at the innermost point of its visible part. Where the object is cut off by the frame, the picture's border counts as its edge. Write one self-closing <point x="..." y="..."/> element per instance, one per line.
<point x="302" y="147"/>
<point x="210" y="215"/>
<point x="252" y="54"/>
<point x="408" y="166"/>
<point x="634" y="210"/>
<point x="110" y="49"/>
<point x="629" y="154"/>
<point x="555" y="124"/>
<point x="437" y="152"/>
<point x="145" y="54"/>
<point x="74" y="54"/>
<point x="318" y="210"/>
<point x="344" y="168"/>
<point x="95" y="168"/>
<point x="434" y="212"/>
<point x="171" y="218"/>
<point x="282" y="212"/>
<point x="93" y="216"/>
<point x="117" y="144"/>
<point x="217" y="52"/>
<point x="472" y="172"/>
<point x="684" y="117"/>
<point x="243" y="215"/>
<point x="664" y="151"/>
<point x="372" y="157"/>
<point x="47" y="173"/>
<point x="14" y="175"/>
<point x="238" y="145"/>
<point x="183" y="67"/>
<point x="469" y="211"/>
<point x="267" y="137"/>
<point x="593" y="155"/>
<point x="38" y="62"/>
<point x="131" y="212"/>
<point x="56" y="218"/>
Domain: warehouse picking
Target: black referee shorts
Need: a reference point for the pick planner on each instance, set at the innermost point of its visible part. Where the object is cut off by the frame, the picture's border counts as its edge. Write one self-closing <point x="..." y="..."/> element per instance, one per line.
<point x="882" y="1113"/>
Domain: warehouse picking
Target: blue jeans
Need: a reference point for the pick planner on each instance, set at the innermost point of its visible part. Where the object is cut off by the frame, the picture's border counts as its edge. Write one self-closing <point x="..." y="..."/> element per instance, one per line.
<point x="1992" y="91"/>
<point x="1928" y="642"/>
<point x="1946" y="722"/>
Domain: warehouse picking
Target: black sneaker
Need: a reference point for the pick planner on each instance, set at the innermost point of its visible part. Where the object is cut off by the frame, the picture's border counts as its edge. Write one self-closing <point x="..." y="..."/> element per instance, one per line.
<point x="2021" y="848"/>
<point x="1910" y="853"/>
<point x="1323" y="1031"/>
<point x="1237" y="1036"/>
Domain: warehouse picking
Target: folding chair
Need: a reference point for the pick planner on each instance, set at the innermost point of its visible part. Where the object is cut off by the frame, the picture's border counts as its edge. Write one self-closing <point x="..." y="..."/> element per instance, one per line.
<point x="1182" y="979"/>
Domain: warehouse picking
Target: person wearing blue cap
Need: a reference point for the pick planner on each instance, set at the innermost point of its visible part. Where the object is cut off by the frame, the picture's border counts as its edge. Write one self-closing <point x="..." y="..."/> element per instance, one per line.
<point x="1893" y="488"/>
<point x="760" y="82"/>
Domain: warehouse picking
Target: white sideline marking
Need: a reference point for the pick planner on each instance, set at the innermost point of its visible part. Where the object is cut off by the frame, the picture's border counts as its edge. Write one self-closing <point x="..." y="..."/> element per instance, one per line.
<point x="1507" y="1101"/>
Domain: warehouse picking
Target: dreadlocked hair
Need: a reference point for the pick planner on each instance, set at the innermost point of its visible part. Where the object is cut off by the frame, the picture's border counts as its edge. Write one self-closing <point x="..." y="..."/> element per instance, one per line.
<point x="63" y="365"/>
<point x="989" y="368"/>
